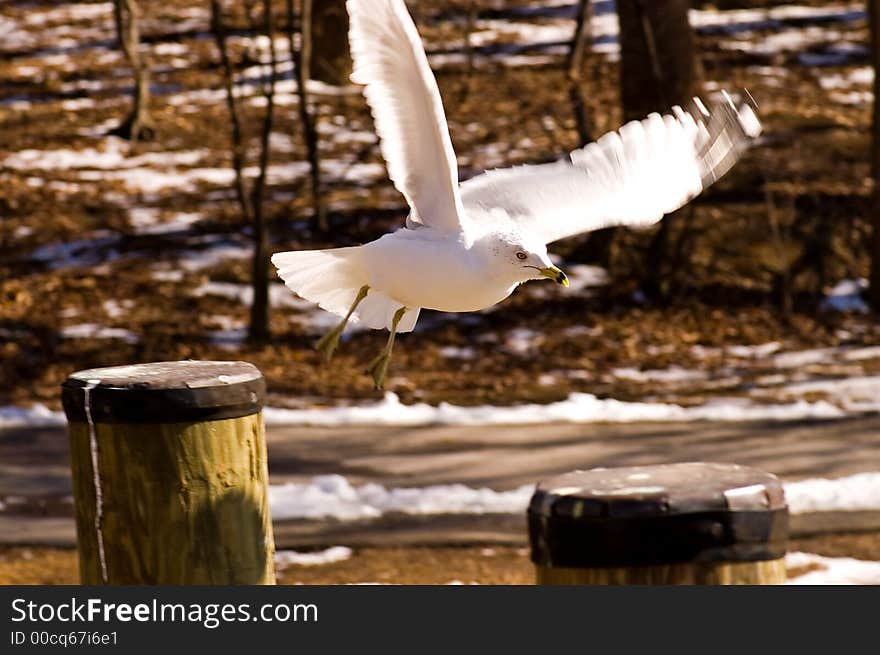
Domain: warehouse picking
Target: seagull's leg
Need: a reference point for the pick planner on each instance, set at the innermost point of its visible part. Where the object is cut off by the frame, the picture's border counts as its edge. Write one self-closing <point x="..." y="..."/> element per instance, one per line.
<point x="327" y="344"/>
<point x="379" y="366"/>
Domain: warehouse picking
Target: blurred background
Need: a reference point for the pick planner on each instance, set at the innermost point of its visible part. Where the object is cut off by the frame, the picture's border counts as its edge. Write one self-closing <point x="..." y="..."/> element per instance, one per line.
<point x="154" y="154"/>
<point x="148" y="150"/>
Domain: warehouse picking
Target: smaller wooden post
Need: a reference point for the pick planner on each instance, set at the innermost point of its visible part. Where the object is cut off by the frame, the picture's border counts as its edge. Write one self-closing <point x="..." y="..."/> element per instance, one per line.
<point x="690" y="523"/>
<point x="170" y="474"/>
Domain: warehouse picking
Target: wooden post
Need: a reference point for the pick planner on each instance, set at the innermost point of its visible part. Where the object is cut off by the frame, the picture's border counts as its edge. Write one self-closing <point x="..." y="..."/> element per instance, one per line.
<point x="170" y="474"/>
<point x="692" y="523"/>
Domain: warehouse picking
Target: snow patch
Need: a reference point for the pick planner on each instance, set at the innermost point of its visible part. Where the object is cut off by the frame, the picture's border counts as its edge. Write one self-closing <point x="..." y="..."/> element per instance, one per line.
<point x="846" y="296"/>
<point x="577" y="408"/>
<point x="95" y="331"/>
<point x="832" y="570"/>
<point x="334" y="496"/>
<point x="284" y="558"/>
<point x="667" y="375"/>
<point x="36" y="416"/>
<point x="853" y="493"/>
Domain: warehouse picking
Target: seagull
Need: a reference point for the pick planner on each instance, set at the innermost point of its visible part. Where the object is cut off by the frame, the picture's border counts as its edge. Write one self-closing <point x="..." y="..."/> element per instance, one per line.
<point x="466" y="247"/>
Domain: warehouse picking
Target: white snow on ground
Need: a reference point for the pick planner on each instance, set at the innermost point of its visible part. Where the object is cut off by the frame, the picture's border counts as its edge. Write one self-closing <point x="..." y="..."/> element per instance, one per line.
<point x="747" y="31"/>
<point x="154" y="172"/>
<point x="667" y="375"/>
<point x="852" y="394"/>
<point x="757" y="352"/>
<point x="856" y="492"/>
<point x="522" y="341"/>
<point x="577" y="408"/>
<point x="196" y="260"/>
<point x="454" y="352"/>
<point x="832" y="570"/>
<point x="863" y="75"/>
<point x="71" y="13"/>
<point x="313" y="319"/>
<point x="36" y="416"/>
<point x="116" y="308"/>
<point x="149" y="220"/>
<point x="279" y="295"/>
<point x="284" y="558"/>
<point x="95" y="331"/>
<point x="846" y="296"/>
<point x="334" y="496"/>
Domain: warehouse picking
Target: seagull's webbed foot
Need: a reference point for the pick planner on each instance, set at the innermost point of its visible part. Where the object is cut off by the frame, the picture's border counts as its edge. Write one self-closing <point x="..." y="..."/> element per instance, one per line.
<point x="378" y="368"/>
<point x="329" y="342"/>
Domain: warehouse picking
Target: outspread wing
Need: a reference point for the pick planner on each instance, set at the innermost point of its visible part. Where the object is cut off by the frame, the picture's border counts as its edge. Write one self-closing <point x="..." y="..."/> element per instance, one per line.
<point x="631" y="177"/>
<point x="407" y="111"/>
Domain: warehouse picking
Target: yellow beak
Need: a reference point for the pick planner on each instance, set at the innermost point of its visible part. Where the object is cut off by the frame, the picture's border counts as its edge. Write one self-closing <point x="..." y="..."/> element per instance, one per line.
<point x="555" y="274"/>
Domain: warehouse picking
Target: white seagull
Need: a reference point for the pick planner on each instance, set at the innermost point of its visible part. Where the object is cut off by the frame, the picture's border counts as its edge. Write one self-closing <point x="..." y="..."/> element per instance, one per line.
<point x="467" y="246"/>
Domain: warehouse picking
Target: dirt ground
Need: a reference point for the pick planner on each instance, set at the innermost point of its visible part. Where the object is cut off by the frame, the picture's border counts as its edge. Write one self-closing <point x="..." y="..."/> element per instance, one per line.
<point x="428" y="565"/>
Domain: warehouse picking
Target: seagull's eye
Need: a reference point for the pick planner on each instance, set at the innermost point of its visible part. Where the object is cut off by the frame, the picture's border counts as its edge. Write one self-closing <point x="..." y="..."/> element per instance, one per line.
<point x="521" y="255"/>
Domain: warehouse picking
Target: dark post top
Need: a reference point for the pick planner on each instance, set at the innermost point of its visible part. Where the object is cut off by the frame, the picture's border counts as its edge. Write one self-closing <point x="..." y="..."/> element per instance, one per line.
<point x="657" y="515"/>
<point x="164" y="392"/>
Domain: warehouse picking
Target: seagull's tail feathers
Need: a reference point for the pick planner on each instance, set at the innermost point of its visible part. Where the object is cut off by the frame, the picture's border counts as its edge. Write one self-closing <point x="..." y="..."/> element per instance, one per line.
<point x="332" y="279"/>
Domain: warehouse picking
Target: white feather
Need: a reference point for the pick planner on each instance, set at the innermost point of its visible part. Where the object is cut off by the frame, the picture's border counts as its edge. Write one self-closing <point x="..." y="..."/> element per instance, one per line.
<point x="407" y="110"/>
<point x="631" y="177"/>
<point x="332" y="279"/>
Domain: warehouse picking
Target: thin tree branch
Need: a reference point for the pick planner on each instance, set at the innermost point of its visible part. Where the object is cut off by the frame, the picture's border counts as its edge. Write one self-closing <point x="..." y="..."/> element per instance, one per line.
<point x="238" y="154"/>
<point x="574" y="67"/>
<point x="302" y="66"/>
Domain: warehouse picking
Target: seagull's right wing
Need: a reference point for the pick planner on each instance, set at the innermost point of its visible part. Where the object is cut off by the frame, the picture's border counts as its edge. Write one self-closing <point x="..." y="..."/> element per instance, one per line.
<point x="631" y="177"/>
<point x="402" y="93"/>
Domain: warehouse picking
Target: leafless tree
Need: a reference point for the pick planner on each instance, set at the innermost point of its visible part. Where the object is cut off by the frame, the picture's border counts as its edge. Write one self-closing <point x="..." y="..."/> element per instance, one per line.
<point x="874" y="22"/>
<point x="658" y="59"/>
<point x="659" y="68"/>
<point x="138" y="125"/>
<point x="307" y="114"/>
<point x="251" y="199"/>
<point x="331" y="59"/>
<point x="469" y="9"/>
<point x="574" y="72"/>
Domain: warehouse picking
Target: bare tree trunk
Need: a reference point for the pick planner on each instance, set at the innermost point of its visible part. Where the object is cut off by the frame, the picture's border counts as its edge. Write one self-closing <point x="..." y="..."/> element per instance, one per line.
<point x="658" y="69"/>
<point x="658" y="60"/>
<point x="237" y="138"/>
<point x="259" y="326"/>
<point x="331" y="59"/>
<point x="251" y="203"/>
<point x="138" y="125"/>
<point x="874" y="22"/>
<point x="470" y="20"/>
<point x="574" y="72"/>
<point x="307" y="115"/>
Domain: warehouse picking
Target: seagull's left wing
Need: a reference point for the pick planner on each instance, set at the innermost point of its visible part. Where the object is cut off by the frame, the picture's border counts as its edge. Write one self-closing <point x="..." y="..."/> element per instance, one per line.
<point x="402" y="93"/>
<point x="631" y="177"/>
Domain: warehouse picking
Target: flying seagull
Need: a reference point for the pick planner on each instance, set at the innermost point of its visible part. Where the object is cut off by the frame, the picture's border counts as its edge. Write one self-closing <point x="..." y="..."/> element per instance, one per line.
<point x="467" y="246"/>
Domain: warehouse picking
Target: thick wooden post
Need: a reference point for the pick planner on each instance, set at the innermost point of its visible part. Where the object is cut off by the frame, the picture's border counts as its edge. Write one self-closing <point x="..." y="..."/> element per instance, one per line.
<point x="692" y="523"/>
<point x="170" y="474"/>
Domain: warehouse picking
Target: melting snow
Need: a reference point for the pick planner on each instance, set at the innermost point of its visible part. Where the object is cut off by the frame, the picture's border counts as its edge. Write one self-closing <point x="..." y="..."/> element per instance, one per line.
<point x="846" y="296"/>
<point x="30" y="417"/>
<point x="832" y="570"/>
<point x="284" y="558"/>
<point x="856" y="492"/>
<point x="334" y="496"/>
<point x="577" y="408"/>
<point x="95" y="331"/>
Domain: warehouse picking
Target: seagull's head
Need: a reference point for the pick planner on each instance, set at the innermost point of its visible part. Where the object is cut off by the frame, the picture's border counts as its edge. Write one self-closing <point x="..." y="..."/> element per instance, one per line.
<point x="514" y="258"/>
